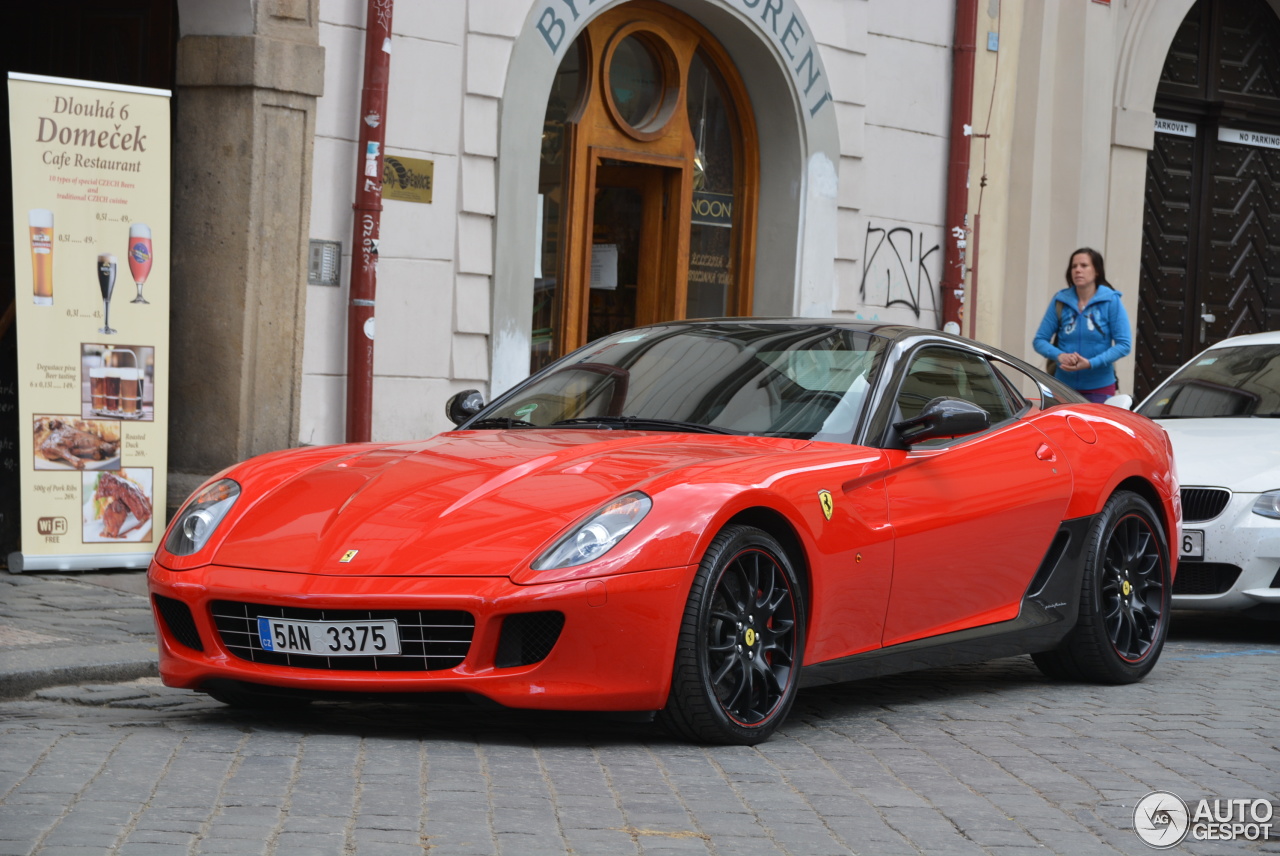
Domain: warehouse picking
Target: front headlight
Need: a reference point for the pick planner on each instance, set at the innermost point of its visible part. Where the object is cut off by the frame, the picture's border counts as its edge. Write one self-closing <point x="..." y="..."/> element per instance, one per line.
<point x="1268" y="504"/>
<point x="596" y="535"/>
<point x="200" y="516"/>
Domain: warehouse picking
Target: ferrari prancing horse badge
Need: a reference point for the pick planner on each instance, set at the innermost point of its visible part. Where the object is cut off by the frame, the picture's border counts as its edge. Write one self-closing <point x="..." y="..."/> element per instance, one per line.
<point x="825" y="500"/>
<point x="348" y="556"/>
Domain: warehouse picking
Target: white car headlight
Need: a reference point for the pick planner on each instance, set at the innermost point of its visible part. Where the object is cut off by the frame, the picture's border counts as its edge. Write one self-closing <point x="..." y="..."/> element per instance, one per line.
<point x="1268" y="504"/>
<point x="200" y="516"/>
<point x="596" y="535"/>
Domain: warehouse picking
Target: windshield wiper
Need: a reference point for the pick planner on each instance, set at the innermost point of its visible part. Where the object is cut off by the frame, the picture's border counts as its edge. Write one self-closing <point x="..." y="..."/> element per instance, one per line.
<point x="641" y="423"/>
<point x="501" y="422"/>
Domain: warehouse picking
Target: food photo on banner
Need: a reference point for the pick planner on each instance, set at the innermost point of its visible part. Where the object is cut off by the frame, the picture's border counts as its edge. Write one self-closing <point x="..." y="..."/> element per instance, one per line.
<point x="91" y="199"/>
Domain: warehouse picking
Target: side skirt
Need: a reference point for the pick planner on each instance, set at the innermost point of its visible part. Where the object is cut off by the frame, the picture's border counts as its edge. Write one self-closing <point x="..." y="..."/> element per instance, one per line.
<point x="1049" y="609"/>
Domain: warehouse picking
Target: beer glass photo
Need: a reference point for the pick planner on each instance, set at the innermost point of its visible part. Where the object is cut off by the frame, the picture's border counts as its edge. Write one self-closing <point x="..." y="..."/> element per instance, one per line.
<point x="140" y="257"/>
<point x="107" y="284"/>
<point x="41" y="222"/>
<point x="130" y="393"/>
<point x="98" y="389"/>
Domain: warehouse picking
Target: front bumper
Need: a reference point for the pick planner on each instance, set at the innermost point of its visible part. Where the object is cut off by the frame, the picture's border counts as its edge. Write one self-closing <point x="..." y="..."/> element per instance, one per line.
<point x="615" y="651"/>
<point x="1241" y="565"/>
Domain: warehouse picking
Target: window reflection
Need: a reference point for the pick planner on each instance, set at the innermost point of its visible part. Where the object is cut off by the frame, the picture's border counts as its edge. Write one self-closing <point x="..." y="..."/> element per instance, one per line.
<point x="635" y="81"/>
<point x="711" y="226"/>
<point x="768" y="380"/>
<point x="564" y="101"/>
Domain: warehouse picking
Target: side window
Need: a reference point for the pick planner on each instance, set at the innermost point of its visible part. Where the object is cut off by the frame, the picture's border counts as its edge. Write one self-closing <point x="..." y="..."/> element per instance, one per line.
<point x="1022" y="387"/>
<point x="940" y="371"/>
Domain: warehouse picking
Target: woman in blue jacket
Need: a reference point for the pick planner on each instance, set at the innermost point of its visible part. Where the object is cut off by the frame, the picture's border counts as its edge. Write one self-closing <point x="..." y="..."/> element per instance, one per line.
<point x="1085" y="329"/>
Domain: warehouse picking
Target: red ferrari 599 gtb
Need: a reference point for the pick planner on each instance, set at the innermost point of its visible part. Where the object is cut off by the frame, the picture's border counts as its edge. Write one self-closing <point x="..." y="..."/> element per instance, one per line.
<point x="695" y="518"/>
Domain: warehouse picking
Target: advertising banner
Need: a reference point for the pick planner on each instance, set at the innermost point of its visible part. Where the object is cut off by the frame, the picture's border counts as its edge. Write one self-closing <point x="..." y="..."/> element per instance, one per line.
<point x="91" y="263"/>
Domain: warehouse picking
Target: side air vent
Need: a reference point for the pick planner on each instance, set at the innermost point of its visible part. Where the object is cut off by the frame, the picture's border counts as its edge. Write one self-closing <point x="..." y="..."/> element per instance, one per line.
<point x="528" y="638"/>
<point x="179" y="621"/>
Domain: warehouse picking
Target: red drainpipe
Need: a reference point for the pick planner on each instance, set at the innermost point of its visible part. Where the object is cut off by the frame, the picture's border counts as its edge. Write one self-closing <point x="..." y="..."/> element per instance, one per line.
<point x="963" y="55"/>
<point x="368" y="221"/>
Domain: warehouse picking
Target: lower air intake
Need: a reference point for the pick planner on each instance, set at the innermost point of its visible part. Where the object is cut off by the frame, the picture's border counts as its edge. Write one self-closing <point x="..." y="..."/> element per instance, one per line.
<point x="179" y="621"/>
<point x="528" y="638"/>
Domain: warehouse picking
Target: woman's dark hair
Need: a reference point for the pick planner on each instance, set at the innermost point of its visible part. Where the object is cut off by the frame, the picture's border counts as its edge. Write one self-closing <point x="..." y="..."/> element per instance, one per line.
<point x="1096" y="258"/>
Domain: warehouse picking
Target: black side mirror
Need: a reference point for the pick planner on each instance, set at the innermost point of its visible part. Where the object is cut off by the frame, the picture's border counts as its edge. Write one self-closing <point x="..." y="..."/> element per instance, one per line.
<point x="943" y="417"/>
<point x="462" y="406"/>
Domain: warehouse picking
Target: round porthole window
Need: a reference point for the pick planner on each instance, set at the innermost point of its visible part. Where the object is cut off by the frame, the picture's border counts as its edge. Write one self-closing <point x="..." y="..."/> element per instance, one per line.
<point x="642" y="83"/>
<point x="635" y="81"/>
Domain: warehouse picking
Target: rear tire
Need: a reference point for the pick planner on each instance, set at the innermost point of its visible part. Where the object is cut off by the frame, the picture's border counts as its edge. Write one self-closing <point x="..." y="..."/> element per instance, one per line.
<point x="1124" y="601"/>
<point x="737" y="663"/>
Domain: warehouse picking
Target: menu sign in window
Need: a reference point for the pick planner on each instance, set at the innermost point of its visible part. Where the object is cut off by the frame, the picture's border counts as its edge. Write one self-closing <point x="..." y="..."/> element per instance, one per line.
<point x="91" y="263"/>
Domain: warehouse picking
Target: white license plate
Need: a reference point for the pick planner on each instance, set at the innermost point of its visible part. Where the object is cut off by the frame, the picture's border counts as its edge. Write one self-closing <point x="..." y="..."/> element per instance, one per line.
<point x="329" y="638"/>
<point x="1192" y="546"/>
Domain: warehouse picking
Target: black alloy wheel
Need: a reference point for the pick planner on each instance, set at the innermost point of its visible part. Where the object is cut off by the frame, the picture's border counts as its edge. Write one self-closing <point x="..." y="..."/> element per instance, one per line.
<point x="1126" y="584"/>
<point x="1135" y="596"/>
<point x="738" y="660"/>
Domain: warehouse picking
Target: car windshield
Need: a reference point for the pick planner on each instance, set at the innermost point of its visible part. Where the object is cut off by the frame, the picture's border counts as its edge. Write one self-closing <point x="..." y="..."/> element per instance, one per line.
<point x="1233" y="381"/>
<point x="801" y="382"/>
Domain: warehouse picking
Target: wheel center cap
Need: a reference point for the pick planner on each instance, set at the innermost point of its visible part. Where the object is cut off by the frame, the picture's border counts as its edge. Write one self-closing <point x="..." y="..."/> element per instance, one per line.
<point x="1126" y="588"/>
<point x="749" y="637"/>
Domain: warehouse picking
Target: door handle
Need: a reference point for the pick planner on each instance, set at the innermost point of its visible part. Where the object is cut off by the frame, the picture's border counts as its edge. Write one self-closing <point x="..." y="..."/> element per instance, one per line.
<point x="1044" y="453"/>
<point x="1206" y="318"/>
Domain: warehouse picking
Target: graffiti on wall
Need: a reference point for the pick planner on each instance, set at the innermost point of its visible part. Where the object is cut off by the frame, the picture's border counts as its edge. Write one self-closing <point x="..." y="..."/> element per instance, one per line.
<point x="896" y="269"/>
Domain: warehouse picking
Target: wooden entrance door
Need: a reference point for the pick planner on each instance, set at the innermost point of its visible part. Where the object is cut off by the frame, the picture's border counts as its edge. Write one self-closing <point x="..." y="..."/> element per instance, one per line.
<point x="648" y="181"/>
<point x="632" y="250"/>
<point x="1210" y="268"/>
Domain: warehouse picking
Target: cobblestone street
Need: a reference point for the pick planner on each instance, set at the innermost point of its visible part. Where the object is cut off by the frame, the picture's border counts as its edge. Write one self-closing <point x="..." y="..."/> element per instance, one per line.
<point x="981" y="759"/>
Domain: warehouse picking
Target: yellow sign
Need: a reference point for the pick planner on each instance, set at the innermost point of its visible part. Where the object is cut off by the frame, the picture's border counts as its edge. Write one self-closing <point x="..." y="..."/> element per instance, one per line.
<point x="407" y="179"/>
<point x="827" y="503"/>
<point x="91" y="232"/>
<point x="348" y="556"/>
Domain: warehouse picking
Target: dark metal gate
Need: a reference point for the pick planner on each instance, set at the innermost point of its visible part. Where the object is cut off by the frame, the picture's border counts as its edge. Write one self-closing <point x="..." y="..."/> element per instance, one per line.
<point x="1211" y="228"/>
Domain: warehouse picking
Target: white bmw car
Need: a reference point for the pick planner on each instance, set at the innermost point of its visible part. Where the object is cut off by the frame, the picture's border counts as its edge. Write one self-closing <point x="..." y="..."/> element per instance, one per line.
<point x="1222" y="411"/>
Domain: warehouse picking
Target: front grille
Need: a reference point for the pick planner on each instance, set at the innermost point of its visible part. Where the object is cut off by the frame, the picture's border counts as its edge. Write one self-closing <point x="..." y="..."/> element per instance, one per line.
<point x="430" y="639"/>
<point x="1203" y="503"/>
<point x="177" y="617"/>
<point x="1205" y="578"/>
<point x="528" y="638"/>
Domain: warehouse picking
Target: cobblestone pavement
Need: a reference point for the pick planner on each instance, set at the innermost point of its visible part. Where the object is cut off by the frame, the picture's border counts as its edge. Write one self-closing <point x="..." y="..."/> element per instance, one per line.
<point x="70" y="628"/>
<point x="989" y="759"/>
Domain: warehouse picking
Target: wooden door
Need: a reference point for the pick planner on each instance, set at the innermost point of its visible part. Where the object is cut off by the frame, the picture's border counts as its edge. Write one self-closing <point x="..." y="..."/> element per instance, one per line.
<point x="647" y="124"/>
<point x="634" y="255"/>
<point x="1210" y="269"/>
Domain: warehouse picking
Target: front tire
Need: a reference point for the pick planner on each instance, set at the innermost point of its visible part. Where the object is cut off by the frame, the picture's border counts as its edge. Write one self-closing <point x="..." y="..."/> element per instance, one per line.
<point x="738" y="657"/>
<point x="1124" y="603"/>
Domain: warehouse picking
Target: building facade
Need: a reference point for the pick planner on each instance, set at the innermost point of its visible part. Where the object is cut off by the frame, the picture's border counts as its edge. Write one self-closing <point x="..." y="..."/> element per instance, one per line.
<point x="596" y="164"/>
<point x="711" y="157"/>
<point x="1147" y="130"/>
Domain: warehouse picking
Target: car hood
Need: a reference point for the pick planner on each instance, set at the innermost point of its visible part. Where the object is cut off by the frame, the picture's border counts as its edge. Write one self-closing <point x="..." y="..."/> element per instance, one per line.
<point x="1238" y="453"/>
<point x="462" y="503"/>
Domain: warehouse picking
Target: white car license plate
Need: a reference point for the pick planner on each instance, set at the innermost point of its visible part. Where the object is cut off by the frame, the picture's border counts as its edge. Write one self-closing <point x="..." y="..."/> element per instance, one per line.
<point x="1192" y="546"/>
<point x="329" y="638"/>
